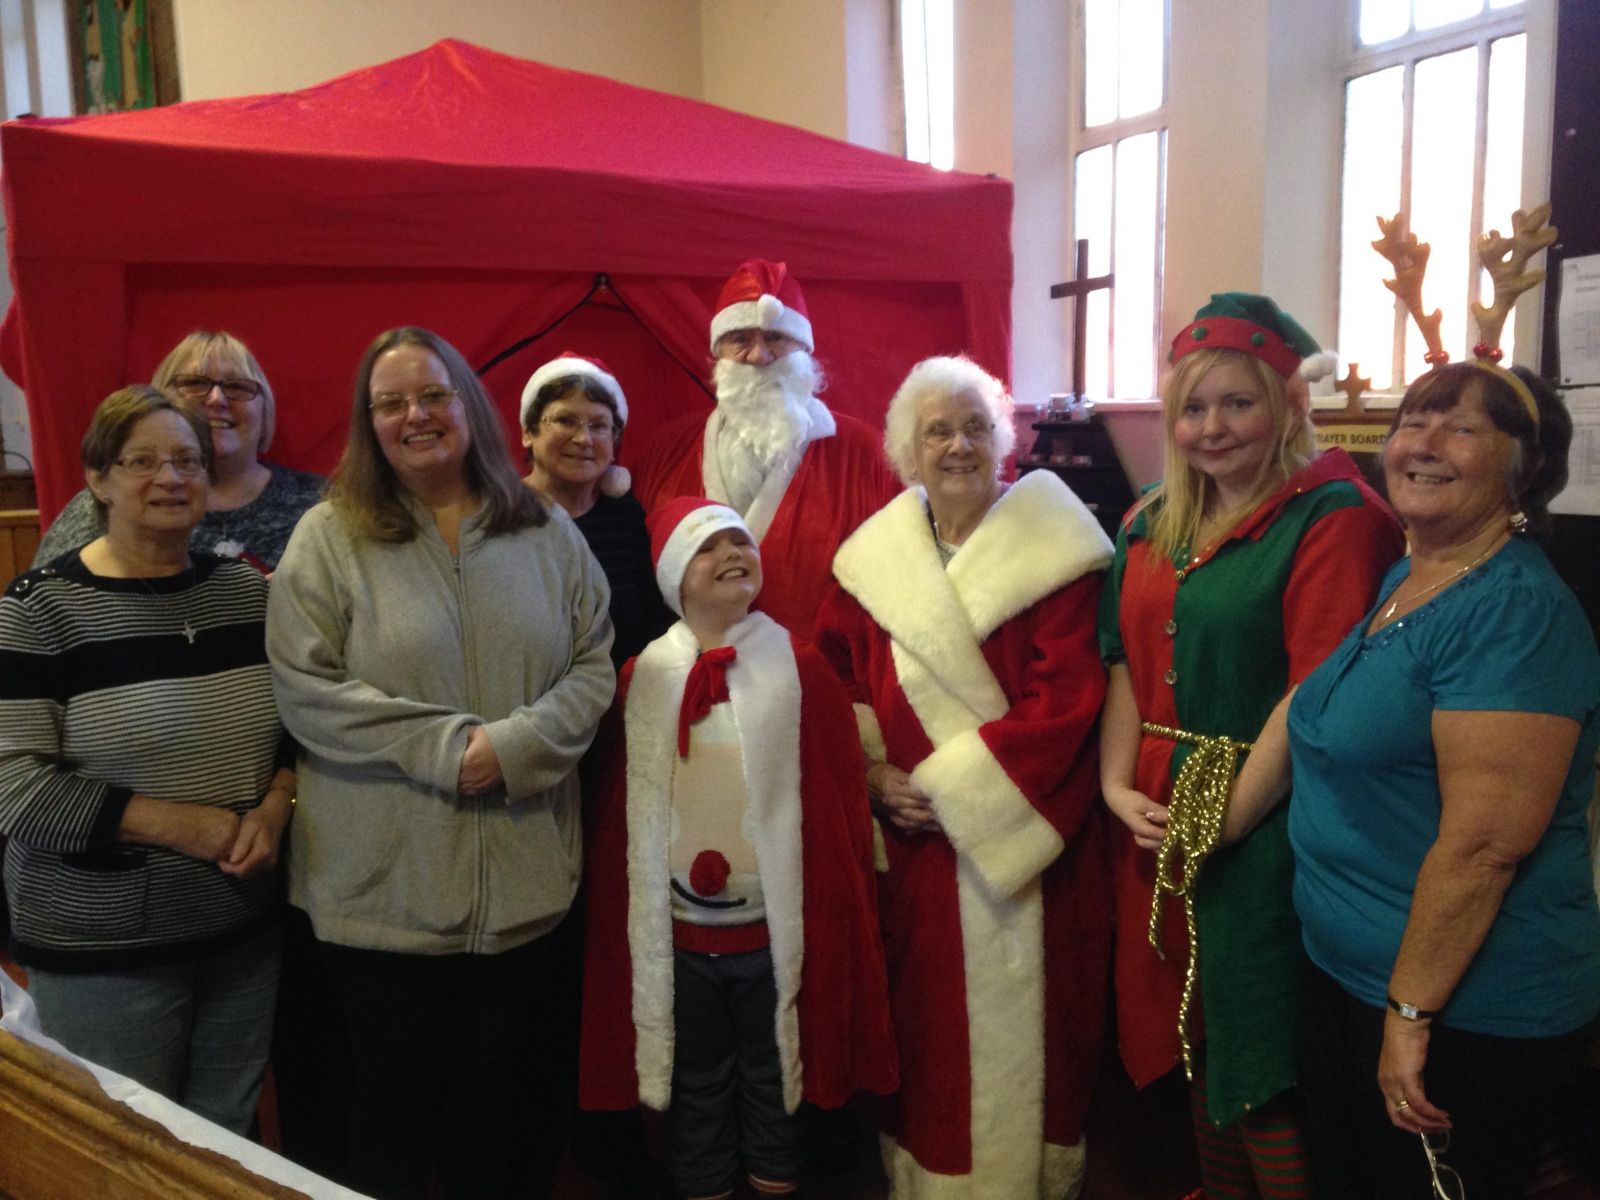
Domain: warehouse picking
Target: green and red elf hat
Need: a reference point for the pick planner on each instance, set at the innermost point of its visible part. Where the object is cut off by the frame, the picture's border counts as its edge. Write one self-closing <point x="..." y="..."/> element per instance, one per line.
<point x="1253" y="325"/>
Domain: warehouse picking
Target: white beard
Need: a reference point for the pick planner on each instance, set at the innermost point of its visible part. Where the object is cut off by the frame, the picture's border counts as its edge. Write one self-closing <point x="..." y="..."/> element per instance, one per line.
<point x="766" y="412"/>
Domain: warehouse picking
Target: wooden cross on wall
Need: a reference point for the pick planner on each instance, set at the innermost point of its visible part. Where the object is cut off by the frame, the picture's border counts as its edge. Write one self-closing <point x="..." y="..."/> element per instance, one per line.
<point x="1079" y="289"/>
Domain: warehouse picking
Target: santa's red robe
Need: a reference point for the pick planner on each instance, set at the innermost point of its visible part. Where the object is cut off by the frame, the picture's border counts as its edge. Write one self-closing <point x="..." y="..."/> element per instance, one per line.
<point x="984" y="681"/>
<point x="841" y="480"/>
<point x="809" y="823"/>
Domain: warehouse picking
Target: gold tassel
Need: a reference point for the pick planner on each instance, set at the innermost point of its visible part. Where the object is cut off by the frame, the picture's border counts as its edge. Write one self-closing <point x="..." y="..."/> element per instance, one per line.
<point x="1194" y="827"/>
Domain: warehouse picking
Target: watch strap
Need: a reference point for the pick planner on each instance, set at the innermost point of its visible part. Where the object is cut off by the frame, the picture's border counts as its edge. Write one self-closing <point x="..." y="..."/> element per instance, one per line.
<point x="1410" y="1012"/>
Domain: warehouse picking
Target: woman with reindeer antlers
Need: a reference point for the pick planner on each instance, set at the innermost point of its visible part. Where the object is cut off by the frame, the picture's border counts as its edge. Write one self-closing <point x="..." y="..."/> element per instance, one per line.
<point x="1443" y="757"/>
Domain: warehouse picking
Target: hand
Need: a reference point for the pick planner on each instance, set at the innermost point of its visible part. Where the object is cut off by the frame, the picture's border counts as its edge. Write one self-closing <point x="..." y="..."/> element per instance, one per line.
<point x="255" y="848"/>
<point x="905" y="804"/>
<point x="1146" y="818"/>
<point x="201" y="831"/>
<point x="1400" y="1062"/>
<point x="480" y="767"/>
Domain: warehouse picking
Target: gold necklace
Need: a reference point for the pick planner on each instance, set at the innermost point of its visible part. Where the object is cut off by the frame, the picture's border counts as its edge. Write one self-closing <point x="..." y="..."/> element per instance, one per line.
<point x="1434" y="587"/>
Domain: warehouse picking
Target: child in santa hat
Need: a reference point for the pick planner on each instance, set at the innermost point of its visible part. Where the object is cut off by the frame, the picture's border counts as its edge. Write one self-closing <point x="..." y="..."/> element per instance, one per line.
<point x="733" y="966"/>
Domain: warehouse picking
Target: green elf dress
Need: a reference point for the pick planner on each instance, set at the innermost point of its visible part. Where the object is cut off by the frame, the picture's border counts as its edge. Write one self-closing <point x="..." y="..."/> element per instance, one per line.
<point x="1212" y="642"/>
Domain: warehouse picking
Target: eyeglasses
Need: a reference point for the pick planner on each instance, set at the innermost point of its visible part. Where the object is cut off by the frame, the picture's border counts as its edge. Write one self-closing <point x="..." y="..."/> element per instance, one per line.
<point x="187" y="463"/>
<point x="976" y="431"/>
<point x="1447" y="1183"/>
<point x="569" y="426"/>
<point x="198" y="387"/>
<point x="391" y="406"/>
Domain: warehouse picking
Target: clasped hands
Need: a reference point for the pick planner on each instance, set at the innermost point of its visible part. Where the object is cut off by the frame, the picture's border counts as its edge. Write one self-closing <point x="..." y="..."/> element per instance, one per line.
<point x="480" y="766"/>
<point x="905" y="804"/>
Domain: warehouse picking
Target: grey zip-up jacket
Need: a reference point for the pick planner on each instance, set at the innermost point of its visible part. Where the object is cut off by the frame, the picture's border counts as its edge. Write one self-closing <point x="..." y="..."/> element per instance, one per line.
<point x="384" y="656"/>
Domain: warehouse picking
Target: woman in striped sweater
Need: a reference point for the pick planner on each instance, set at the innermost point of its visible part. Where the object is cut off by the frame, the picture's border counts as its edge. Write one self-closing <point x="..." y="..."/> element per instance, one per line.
<point x="141" y="785"/>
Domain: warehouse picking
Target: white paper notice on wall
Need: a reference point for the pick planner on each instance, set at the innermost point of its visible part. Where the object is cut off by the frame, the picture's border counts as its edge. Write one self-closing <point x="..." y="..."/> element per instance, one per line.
<point x="1582" y="494"/>
<point x="1578" y="321"/>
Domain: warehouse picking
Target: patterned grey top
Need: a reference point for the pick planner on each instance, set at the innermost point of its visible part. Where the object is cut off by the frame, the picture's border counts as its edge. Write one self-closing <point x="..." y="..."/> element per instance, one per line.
<point x="259" y="529"/>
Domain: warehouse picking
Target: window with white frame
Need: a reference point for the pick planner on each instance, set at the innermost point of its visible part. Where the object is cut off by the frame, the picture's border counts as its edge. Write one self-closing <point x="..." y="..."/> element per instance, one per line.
<point x="928" y="71"/>
<point x="1433" y="128"/>
<point x="1119" y="189"/>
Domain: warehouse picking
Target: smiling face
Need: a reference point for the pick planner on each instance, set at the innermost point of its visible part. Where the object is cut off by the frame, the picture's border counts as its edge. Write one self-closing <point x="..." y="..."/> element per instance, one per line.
<point x="955" y="449"/>
<point x="1225" y="429"/>
<point x="566" y="442"/>
<point x="168" y="503"/>
<point x="1448" y="473"/>
<point x="724" y="574"/>
<point x="236" y="425"/>
<point x="423" y="442"/>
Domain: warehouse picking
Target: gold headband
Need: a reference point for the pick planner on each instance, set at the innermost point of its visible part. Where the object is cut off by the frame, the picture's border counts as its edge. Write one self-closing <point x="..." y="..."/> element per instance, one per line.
<point x="1509" y="378"/>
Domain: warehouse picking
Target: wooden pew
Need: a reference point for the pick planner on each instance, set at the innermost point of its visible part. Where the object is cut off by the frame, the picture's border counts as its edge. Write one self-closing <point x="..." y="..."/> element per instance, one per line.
<point x="19" y="542"/>
<point x="62" y="1139"/>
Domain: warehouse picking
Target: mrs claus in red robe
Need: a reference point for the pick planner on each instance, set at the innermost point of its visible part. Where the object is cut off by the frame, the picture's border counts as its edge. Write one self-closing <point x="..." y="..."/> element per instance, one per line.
<point x="964" y="624"/>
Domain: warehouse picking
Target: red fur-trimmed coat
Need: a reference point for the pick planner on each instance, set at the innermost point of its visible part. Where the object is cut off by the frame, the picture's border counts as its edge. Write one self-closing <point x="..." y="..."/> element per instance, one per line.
<point x="811" y="829"/>
<point x="984" y="681"/>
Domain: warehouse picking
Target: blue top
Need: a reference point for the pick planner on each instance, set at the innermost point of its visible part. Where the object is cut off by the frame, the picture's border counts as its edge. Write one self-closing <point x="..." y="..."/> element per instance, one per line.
<point x="1507" y="637"/>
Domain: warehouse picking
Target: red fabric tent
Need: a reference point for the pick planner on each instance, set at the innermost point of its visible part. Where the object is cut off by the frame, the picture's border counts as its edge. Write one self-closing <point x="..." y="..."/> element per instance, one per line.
<point x="478" y="195"/>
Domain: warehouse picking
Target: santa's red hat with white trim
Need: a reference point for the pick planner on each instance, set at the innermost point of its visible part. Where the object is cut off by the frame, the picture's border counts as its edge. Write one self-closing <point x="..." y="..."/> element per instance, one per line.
<point x="569" y="363"/>
<point x="762" y="295"/>
<point x="679" y="528"/>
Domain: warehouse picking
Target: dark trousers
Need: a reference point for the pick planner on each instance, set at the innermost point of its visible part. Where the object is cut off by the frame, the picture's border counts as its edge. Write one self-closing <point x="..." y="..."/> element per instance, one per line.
<point x="456" y="1068"/>
<point x="1498" y="1092"/>
<point x="310" y="1054"/>
<point x="727" y="1082"/>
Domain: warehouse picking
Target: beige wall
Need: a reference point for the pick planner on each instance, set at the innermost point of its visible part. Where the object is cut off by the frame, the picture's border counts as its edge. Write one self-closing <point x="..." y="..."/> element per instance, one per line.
<point x="782" y="61"/>
<point x="243" y="47"/>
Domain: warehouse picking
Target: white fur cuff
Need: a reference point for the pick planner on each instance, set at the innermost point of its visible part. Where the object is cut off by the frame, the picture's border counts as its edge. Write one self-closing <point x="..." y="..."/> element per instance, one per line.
<point x="985" y="815"/>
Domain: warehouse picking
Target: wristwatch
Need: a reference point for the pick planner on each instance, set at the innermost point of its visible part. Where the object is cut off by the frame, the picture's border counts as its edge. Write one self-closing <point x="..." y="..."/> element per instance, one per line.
<point x="1410" y="1012"/>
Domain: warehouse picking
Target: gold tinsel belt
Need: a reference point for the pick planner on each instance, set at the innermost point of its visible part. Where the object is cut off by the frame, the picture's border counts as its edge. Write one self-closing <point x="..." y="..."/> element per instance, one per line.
<point x="1194" y="827"/>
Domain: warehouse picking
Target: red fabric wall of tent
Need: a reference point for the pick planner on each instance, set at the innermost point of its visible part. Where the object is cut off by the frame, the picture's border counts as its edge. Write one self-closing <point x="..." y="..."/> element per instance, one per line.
<point x="481" y="196"/>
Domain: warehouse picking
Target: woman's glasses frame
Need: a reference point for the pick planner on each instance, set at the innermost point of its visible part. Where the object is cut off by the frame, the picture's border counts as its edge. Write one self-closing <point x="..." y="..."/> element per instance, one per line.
<point x="1447" y="1183"/>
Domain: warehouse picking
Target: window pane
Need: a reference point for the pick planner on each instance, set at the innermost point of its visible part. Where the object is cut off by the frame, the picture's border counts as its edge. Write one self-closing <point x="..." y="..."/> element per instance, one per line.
<point x="1443" y="148"/>
<point x="1138" y="215"/>
<point x="1371" y="188"/>
<point x="914" y="76"/>
<point x="1433" y="13"/>
<point x="1382" y="20"/>
<point x="1502" y="165"/>
<point x="941" y="83"/>
<point x="1504" y="3"/>
<point x="1140" y="38"/>
<point x="1092" y="219"/>
<point x="1099" y="62"/>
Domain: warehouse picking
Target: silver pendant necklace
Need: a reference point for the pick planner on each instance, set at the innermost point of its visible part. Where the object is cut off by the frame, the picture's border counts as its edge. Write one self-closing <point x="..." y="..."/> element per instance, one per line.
<point x="189" y="631"/>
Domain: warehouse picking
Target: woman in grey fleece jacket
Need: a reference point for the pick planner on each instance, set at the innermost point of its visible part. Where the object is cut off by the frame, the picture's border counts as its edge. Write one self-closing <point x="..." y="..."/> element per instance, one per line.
<point x="439" y="641"/>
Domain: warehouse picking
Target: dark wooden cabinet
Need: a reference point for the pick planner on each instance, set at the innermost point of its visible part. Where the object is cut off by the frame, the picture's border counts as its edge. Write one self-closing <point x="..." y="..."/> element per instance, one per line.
<point x="1082" y="456"/>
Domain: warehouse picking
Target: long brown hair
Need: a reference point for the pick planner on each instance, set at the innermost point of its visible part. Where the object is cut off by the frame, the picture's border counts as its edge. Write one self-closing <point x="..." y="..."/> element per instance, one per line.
<point x="1178" y="505"/>
<point x="365" y="489"/>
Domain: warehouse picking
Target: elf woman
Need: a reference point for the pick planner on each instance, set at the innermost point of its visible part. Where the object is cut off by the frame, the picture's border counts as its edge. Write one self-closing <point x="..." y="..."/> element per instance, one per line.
<point x="1233" y="578"/>
<point x="733" y="967"/>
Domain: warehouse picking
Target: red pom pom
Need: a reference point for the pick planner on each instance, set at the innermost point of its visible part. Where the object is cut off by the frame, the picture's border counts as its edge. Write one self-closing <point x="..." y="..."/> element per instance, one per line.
<point x="708" y="875"/>
<point x="1485" y="351"/>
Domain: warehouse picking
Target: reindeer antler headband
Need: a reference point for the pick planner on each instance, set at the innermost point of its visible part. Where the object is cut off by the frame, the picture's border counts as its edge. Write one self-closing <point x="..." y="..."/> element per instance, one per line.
<point x="1504" y="258"/>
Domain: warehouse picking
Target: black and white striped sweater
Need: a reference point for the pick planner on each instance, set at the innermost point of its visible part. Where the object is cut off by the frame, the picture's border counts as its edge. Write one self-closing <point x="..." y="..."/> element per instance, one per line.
<point x="110" y="687"/>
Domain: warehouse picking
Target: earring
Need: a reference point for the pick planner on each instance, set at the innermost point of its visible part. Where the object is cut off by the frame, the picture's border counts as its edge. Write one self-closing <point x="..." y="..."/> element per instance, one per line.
<point x="1518" y="522"/>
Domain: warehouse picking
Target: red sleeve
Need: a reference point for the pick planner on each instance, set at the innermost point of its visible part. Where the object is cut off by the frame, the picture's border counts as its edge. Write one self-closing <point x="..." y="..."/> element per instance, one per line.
<point x="839" y="639"/>
<point x="1334" y="579"/>
<point x="1047" y="740"/>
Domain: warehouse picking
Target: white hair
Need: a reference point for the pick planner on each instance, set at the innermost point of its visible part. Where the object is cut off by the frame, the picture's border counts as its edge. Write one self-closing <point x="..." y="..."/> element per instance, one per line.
<point x="943" y="376"/>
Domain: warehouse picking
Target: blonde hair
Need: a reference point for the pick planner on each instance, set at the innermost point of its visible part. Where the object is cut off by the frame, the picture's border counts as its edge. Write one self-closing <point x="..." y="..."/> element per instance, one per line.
<point x="188" y="355"/>
<point x="1177" y="507"/>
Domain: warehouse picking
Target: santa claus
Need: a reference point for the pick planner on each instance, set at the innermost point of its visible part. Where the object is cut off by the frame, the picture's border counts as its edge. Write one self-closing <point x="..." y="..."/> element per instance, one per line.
<point x="802" y="476"/>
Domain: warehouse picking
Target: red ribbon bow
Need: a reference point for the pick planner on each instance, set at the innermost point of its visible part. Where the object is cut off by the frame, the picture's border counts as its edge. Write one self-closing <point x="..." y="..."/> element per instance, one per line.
<point x="707" y="685"/>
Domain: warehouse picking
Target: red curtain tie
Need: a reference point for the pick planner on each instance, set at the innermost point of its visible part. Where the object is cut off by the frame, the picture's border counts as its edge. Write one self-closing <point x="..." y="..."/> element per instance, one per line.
<point x="707" y="685"/>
